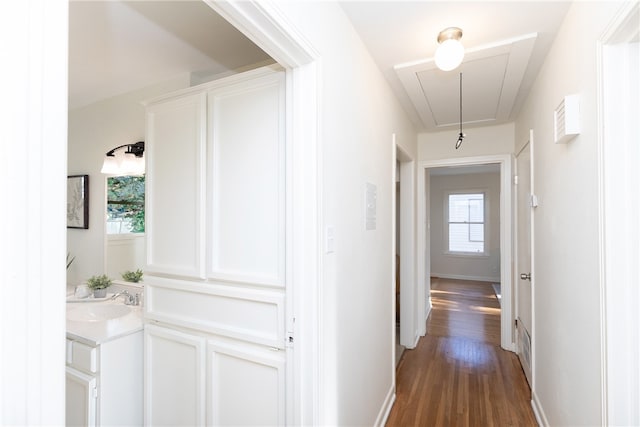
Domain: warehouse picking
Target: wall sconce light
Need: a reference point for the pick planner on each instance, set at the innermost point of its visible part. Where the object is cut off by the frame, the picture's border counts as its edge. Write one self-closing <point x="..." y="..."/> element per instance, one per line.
<point x="450" y="52"/>
<point x="127" y="159"/>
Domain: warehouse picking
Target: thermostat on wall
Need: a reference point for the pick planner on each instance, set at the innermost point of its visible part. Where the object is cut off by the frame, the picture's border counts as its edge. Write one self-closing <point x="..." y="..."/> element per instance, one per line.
<point x="566" y="119"/>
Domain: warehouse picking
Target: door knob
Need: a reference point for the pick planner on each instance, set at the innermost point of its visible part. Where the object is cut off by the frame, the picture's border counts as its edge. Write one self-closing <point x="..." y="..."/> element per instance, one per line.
<point x="525" y="276"/>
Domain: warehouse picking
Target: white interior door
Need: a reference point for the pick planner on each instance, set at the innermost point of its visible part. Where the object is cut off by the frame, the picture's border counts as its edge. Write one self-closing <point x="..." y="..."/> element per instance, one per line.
<point x="524" y="316"/>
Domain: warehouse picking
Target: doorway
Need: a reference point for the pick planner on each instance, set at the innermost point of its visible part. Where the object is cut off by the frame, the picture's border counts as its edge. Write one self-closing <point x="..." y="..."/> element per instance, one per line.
<point x="503" y="163"/>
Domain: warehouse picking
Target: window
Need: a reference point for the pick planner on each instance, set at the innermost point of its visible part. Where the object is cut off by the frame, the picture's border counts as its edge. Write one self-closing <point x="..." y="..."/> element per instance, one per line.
<point x="466" y="223"/>
<point x="125" y="204"/>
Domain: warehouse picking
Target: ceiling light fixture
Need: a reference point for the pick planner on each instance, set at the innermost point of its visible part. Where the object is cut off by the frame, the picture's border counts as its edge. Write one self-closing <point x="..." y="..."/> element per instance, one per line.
<point x="120" y="162"/>
<point x="460" y="135"/>
<point x="450" y="52"/>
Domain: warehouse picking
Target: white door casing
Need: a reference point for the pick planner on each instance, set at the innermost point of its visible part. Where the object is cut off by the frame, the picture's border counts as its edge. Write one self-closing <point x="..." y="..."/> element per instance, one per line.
<point x="506" y="233"/>
<point x="33" y="158"/>
<point x="619" y="204"/>
<point x="409" y="301"/>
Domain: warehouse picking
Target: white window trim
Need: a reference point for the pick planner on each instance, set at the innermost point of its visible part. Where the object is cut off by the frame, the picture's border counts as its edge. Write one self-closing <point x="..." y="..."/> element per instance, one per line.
<point x="458" y="254"/>
<point x="125" y="236"/>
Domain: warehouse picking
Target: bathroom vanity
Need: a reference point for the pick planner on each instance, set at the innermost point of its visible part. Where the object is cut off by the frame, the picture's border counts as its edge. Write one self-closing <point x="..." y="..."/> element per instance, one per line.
<point x="104" y="356"/>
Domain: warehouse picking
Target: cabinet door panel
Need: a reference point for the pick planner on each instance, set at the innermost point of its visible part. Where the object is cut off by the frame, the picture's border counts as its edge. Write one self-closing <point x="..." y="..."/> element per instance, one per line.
<point x="247" y="181"/>
<point x="174" y="377"/>
<point x="246" y="385"/>
<point x="254" y="315"/>
<point x="80" y="408"/>
<point x="175" y="153"/>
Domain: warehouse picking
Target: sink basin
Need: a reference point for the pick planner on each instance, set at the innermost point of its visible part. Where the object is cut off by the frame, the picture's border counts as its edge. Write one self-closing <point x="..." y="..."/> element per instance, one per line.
<point x="96" y="312"/>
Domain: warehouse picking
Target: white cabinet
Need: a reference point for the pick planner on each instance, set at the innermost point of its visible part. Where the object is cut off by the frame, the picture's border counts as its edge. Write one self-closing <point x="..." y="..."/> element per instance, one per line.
<point x="175" y="155"/>
<point x="81" y="398"/>
<point x="246" y="384"/>
<point x="192" y="378"/>
<point x="104" y="382"/>
<point x="215" y="282"/>
<point x="174" y="377"/>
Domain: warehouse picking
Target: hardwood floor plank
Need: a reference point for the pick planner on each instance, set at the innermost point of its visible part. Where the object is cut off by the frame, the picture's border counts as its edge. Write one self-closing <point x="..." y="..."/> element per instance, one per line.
<point x="458" y="375"/>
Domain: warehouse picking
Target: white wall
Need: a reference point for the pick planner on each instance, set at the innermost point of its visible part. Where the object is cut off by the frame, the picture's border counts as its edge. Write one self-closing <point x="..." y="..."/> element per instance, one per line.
<point x="566" y="330"/>
<point x="358" y="116"/>
<point x="94" y="130"/>
<point x="479" y="141"/>
<point x="485" y="268"/>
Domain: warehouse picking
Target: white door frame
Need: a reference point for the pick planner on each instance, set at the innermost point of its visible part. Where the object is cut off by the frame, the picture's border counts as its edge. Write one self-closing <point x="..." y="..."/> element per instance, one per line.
<point x="33" y="158"/>
<point x="619" y="202"/>
<point x="265" y="25"/>
<point x="506" y="235"/>
<point x="409" y="307"/>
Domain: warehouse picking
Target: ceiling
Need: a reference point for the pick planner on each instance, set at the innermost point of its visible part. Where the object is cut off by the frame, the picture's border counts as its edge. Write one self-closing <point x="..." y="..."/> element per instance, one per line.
<point x="116" y="47"/>
<point x="505" y="44"/>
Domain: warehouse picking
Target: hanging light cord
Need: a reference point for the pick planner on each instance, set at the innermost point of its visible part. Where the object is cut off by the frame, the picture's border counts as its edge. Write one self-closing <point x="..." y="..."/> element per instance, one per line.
<point x="460" y="135"/>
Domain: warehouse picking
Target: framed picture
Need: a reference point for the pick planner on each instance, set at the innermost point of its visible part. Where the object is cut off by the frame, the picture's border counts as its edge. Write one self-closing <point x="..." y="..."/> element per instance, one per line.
<point x="78" y="201"/>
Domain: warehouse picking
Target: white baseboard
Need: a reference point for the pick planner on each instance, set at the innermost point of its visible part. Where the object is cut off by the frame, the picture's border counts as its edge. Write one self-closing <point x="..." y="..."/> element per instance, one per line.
<point x="538" y="411"/>
<point x="462" y="277"/>
<point x="415" y="342"/>
<point x="383" y="415"/>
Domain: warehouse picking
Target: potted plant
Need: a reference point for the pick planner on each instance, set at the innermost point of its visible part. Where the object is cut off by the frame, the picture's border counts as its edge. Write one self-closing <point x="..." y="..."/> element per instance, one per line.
<point x="132" y="276"/>
<point x="99" y="285"/>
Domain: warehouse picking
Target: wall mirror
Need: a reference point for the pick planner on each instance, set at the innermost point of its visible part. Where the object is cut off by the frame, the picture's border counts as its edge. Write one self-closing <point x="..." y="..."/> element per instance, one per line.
<point x="124" y="224"/>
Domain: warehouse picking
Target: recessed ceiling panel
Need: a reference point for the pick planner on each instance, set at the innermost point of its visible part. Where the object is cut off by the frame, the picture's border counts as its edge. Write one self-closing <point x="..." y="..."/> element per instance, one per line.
<point x="482" y="81"/>
<point x="491" y="77"/>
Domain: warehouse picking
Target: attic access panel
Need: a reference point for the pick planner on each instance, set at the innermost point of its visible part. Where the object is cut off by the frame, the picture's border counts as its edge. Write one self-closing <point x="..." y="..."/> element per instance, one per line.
<point x="482" y="82"/>
<point x="492" y="75"/>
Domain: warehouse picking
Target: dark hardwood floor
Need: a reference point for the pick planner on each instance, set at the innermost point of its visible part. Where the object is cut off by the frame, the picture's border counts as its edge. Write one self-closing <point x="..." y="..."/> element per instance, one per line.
<point x="458" y="375"/>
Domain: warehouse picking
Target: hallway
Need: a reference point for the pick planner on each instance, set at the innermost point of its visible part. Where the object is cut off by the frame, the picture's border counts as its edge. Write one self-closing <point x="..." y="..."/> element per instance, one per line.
<point x="458" y="375"/>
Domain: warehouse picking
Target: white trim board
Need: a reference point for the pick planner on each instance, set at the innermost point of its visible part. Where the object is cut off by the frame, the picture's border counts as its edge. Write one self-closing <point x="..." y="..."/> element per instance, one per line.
<point x="619" y="200"/>
<point x="385" y="410"/>
<point x="541" y="418"/>
<point x="410" y="294"/>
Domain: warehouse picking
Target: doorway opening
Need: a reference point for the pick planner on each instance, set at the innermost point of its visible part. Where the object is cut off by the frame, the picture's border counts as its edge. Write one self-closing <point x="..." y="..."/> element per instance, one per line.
<point x="464" y="218"/>
<point x="478" y="210"/>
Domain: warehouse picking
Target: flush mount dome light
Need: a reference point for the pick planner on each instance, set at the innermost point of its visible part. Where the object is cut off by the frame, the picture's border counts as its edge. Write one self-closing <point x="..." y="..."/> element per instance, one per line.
<point x="450" y="51"/>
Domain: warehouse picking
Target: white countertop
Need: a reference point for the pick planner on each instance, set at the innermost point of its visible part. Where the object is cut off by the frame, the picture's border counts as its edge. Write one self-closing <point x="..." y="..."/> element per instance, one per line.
<point x="97" y="332"/>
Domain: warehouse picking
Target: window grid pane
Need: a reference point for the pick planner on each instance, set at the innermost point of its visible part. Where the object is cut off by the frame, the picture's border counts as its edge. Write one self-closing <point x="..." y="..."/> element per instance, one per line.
<point x="466" y="223"/>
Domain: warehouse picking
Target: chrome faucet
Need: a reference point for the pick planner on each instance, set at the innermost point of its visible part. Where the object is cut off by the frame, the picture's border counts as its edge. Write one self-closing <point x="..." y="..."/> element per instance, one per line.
<point x="128" y="298"/>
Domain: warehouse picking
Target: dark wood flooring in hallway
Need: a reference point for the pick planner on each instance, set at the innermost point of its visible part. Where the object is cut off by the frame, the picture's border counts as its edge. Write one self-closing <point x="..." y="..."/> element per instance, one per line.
<point x="458" y="375"/>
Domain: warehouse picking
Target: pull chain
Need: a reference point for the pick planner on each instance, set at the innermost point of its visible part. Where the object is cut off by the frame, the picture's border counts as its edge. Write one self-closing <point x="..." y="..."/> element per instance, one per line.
<point x="460" y="135"/>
